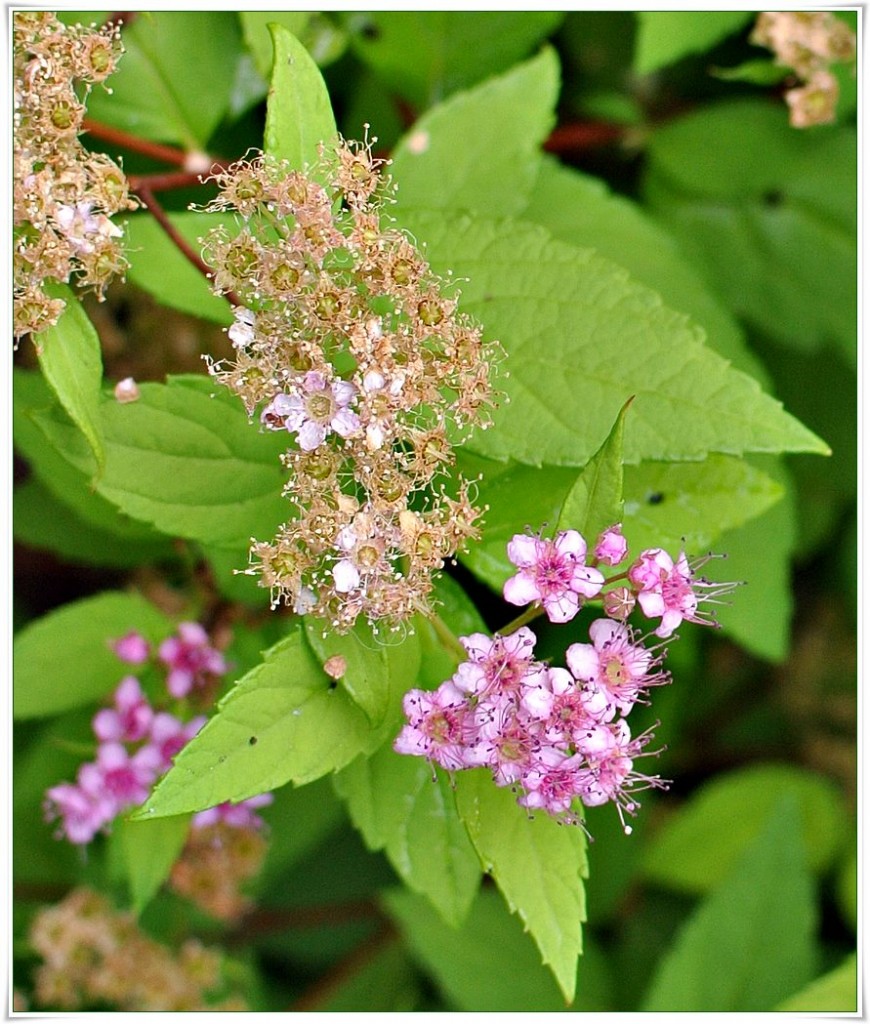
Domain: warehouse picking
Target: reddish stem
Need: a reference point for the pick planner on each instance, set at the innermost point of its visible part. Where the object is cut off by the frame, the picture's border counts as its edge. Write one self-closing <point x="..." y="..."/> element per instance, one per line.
<point x="156" y="150"/>
<point x="169" y="180"/>
<point x="159" y="214"/>
<point x="582" y="135"/>
<point x="270" y="922"/>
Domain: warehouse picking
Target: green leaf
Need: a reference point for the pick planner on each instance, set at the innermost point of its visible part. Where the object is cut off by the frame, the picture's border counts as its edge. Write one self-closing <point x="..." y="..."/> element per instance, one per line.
<point x="174" y="81"/>
<point x="158" y="267"/>
<point x="702" y="842"/>
<point x="323" y="39"/>
<point x="282" y="722"/>
<point x="39" y="520"/>
<point x="447" y="158"/>
<point x="64" y="660"/>
<point x="760" y="552"/>
<point x="757" y="72"/>
<point x="68" y="485"/>
<point x="595" y="500"/>
<point x="552" y="305"/>
<point x="847" y="890"/>
<point x="689" y="505"/>
<point x="834" y="993"/>
<point x="750" y="942"/>
<point x="185" y="458"/>
<point x="440" y="655"/>
<point x="401" y="808"/>
<point x="666" y="36"/>
<point x="299" y="112"/>
<point x="579" y="209"/>
<point x="469" y="964"/>
<point x="70" y="357"/>
<point x="150" y="848"/>
<point x="426" y="55"/>
<point x="767" y="213"/>
<point x="377" y="667"/>
<point x="537" y="863"/>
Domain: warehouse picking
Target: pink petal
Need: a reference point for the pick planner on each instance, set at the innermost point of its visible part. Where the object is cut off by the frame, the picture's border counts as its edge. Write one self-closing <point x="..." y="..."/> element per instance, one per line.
<point x="523" y="551"/>
<point x="521" y="589"/>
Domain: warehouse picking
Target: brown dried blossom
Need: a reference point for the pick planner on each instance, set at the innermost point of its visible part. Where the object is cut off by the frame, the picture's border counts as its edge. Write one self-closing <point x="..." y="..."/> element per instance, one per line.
<point x="95" y="956"/>
<point x="349" y="343"/>
<point x="808" y="42"/>
<point x="64" y="197"/>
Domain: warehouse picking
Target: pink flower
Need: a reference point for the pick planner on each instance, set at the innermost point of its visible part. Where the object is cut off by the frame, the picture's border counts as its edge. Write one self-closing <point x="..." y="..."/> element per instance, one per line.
<point x="190" y="659"/>
<point x="169" y="735"/>
<point x="240" y="815"/>
<point x="501" y="661"/>
<point x="132" y="648"/>
<point x="81" y="814"/>
<point x="611" y="547"/>
<point x="665" y="589"/>
<point x="320" y="408"/>
<point x="116" y="775"/>
<point x="614" y="664"/>
<point x="131" y="718"/>
<point x="439" y="727"/>
<point x="553" y="572"/>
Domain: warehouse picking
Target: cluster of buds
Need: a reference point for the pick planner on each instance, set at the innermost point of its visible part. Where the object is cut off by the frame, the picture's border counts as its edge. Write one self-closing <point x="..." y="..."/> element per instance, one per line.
<point x="560" y="734"/>
<point x="64" y="196"/>
<point x="94" y="956"/>
<point x="347" y="343"/>
<point x="808" y="42"/>
<point x="136" y="742"/>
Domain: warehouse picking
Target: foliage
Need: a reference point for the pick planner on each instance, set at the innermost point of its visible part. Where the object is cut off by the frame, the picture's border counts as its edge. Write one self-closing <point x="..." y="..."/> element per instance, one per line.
<point x="618" y="207"/>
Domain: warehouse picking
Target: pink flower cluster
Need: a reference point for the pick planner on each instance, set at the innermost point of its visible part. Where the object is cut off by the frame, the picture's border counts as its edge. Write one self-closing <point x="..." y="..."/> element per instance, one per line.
<point x="559" y="735"/>
<point x="554" y="573"/>
<point x="137" y="742"/>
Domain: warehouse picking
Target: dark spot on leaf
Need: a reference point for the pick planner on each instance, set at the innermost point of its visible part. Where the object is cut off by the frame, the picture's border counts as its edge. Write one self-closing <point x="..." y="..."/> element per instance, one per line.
<point x="252" y="741"/>
<point x="369" y="30"/>
<point x="773" y="198"/>
<point x="656" y="498"/>
<point x="332" y="684"/>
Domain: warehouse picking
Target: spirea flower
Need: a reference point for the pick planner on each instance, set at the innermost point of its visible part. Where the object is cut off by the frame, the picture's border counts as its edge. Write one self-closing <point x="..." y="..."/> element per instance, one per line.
<point x="65" y="197"/>
<point x="347" y="341"/>
<point x="553" y="572"/>
<point x="190" y="658"/>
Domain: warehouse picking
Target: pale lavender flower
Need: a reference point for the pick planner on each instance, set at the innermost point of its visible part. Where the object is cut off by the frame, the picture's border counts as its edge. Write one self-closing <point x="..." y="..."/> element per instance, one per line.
<point x="553" y="572"/>
<point x="318" y="409"/>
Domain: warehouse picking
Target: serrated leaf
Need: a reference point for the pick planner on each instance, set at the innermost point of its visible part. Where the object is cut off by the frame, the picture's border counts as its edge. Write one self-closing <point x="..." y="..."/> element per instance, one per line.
<point x="595" y="500"/>
<point x="834" y="993"/>
<point x="767" y="213"/>
<point x="170" y="58"/>
<point x="579" y="209"/>
<point x="537" y="863"/>
<point x="750" y="942"/>
<point x="446" y="159"/>
<point x="469" y="964"/>
<point x="39" y="520"/>
<point x="664" y="37"/>
<point x="63" y="660"/>
<point x="68" y="485"/>
<point x="377" y="667"/>
<point x="185" y="457"/>
<point x="400" y="808"/>
<point x="323" y="39"/>
<point x="299" y="114"/>
<point x="702" y="841"/>
<point x="526" y="286"/>
<point x="689" y="505"/>
<point x="158" y="267"/>
<point x="426" y="55"/>
<point x="149" y="848"/>
<point x="282" y="722"/>
<point x="71" y="359"/>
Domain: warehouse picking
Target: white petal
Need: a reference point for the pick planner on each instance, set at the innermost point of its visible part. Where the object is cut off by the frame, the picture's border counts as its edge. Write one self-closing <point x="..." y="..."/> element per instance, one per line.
<point x="345" y="576"/>
<point x="310" y="435"/>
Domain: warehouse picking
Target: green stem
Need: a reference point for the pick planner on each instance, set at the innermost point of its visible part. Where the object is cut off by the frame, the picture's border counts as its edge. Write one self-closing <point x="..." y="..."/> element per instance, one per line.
<point x="447" y="637"/>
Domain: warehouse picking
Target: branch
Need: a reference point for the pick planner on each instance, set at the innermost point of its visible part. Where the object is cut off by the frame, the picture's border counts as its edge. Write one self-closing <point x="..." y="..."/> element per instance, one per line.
<point x="156" y="150"/>
<point x="583" y="135"/>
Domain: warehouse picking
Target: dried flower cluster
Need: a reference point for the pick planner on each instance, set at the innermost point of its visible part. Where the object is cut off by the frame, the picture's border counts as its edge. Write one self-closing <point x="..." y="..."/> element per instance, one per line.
<point x="218" y="859"/>
<point x="560" y="734"/>
<point x="95" y="956"/>
<point x="64" y="196"/>
<point x="347" y="342"/>
<point x="808" y="42"/>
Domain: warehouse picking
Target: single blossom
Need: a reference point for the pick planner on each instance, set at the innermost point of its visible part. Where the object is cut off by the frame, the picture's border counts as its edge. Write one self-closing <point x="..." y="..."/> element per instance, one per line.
<point x="131" y="717"/>
<point x="611" y="547"/>
<point x="553" y="572"/>
<point x="672" y="590"/>
<point x="190" y="658"/>
<point x="132" y="648"/>
<point x="81" y="814"/>
<point x="242" y="332"/>
<point x="318" y="409"/>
